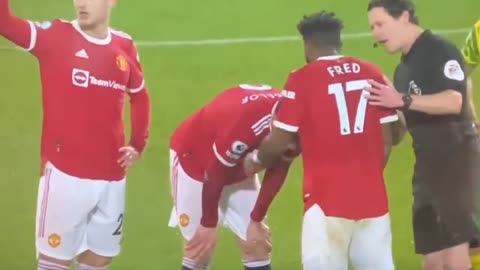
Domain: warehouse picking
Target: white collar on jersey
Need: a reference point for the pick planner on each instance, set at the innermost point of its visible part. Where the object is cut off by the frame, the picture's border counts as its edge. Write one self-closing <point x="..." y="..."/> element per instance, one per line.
<point x="330" y="57"/>
<point x="91" y="39"/>
<point x="262" y="87"/>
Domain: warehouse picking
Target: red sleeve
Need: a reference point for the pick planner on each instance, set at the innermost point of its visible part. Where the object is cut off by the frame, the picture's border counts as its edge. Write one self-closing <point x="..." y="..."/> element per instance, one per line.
<point x="140" y="119"/>
<point x="28" y="35"/>
<point x="386" y="115"/>
<point x="272" y="182"/>
<point x="229" y="148"/>
<point x="136" y="81"/>
<point x="139" y="103"/>
<point x="289" y="110"/>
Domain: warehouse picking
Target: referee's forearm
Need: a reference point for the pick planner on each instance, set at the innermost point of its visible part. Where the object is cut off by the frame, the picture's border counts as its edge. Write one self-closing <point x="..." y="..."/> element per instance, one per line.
<point x="446" y="102"/>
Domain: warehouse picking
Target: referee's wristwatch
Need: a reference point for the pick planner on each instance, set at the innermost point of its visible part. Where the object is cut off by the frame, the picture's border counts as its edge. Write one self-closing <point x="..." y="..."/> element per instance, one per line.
<point x="407" y="101"/>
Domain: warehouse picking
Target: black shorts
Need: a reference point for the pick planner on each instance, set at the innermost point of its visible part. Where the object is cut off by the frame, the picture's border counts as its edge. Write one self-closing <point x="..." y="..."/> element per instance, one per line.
<point x="444" y="187"/>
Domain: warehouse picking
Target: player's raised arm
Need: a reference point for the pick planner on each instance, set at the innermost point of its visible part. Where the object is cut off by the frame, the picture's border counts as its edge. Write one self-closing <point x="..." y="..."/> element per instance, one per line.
<point x="15" y="29"/>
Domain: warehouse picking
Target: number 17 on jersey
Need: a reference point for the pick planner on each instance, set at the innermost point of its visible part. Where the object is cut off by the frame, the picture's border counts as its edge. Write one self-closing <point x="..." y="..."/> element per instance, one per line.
<point x="339" y="91"/>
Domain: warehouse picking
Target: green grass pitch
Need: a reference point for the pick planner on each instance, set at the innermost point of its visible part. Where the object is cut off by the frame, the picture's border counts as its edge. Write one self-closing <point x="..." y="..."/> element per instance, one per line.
<point x="181" y="79"/>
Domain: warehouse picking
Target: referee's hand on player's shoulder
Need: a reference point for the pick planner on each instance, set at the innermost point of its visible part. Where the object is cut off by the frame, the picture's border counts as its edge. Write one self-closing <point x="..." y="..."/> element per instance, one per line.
<point x="383" y="95"/>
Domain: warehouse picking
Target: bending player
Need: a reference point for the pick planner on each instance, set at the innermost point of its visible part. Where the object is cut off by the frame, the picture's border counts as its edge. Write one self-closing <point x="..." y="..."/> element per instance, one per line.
<point x="209" y="185"/>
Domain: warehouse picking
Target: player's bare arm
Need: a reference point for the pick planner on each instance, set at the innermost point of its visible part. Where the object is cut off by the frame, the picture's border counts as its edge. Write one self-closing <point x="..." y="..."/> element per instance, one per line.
<point x="399" y="128"/>
<point x="448" y="101"/>
<point x="274" y="146"/>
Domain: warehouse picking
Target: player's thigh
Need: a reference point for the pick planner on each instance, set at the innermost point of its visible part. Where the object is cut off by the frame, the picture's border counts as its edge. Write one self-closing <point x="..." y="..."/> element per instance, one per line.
<point x="371" y="245"/>
<point x="105" y="227"/>
<point x="187" y="209"/>
<point x="325" y="240"/>
<point x="237" y="203"/>
<point x="63" y="205"/>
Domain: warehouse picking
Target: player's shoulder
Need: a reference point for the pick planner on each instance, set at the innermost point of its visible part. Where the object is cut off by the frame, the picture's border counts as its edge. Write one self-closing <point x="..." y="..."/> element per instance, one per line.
<point x="121" y="35"/>
<point x="122" y="38"/>
<point x="53" y="24"/>
<point x="299" y="72"/>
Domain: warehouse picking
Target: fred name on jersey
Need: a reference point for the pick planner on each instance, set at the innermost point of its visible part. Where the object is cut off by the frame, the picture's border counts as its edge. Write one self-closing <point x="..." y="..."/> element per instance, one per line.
<point x="343" y="69"/>
<point x="85" y="77"/>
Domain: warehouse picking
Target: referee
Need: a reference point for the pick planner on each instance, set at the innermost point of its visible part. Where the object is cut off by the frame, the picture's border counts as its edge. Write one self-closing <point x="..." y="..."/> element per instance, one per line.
<point x="430" y="88"/>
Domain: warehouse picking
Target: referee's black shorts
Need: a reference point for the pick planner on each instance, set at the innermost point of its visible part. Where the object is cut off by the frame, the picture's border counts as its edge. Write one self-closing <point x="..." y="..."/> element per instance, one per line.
<point x="444" y="186"/>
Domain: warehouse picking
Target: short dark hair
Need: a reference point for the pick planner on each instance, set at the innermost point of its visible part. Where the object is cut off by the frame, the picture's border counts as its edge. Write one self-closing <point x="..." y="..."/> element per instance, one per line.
<point x="323" y="28"/>
<point x="395" y="8"/>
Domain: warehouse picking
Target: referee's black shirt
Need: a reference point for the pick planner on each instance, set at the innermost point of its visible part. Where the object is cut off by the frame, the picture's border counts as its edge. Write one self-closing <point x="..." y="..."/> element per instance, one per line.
<point x="432" y="65"/>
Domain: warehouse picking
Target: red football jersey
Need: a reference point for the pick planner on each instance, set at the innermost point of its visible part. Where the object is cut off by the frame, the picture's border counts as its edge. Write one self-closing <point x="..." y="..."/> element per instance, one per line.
<point x="231" y="125"/>
<point x="341" y="136"/>
<point x="84" y="82"/>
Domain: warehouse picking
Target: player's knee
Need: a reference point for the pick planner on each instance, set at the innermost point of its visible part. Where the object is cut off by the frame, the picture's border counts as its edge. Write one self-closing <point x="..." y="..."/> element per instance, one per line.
<point x="89" y="260"/>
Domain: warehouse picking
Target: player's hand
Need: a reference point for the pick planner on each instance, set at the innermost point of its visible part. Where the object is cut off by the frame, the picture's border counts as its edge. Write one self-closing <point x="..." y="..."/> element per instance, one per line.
<point x="384" y="95"/>
<point x="129" y="156"/>
<point x="201" y="246"/>
<point x="250" y="166"/>
<point x="258" y="239"/>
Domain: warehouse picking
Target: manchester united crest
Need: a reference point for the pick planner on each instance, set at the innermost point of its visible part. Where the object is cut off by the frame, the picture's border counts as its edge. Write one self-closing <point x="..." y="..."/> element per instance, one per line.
<point x="54" y="240"/>
<point x="184" y="220"/>
<point x="122" y="63"/>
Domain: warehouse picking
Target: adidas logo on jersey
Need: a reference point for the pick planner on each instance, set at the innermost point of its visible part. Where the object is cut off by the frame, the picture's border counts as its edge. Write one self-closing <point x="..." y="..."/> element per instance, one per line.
<point x="82" y="54"/>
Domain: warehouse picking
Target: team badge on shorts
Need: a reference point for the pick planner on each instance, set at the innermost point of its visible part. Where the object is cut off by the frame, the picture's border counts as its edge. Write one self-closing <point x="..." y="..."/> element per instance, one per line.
<point x="184" y="220"/>
<point x="54" y="240"/>
<point x="122" y="63"/>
